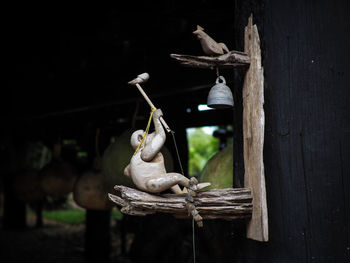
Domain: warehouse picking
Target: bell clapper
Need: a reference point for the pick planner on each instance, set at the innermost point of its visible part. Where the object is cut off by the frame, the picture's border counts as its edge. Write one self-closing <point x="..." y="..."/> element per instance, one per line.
<point x="217" y="72"/>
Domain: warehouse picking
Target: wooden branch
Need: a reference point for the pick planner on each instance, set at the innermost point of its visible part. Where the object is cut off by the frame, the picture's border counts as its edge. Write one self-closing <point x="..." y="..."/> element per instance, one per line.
<point x="229" y="60"/>
<point x="253" y="134"/>
<point x="229" y="203"/>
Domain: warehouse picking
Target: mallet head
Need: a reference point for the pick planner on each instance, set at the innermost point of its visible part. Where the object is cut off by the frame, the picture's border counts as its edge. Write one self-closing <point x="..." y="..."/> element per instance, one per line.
<point x="139" y="79"/>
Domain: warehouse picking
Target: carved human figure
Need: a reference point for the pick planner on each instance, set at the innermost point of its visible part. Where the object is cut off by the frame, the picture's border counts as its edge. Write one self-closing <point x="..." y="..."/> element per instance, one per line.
<point x="147" y="169"/>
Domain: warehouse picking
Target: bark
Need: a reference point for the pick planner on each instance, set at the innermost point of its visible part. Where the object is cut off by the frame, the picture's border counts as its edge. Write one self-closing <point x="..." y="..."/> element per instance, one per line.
<point x="228" y="203"/>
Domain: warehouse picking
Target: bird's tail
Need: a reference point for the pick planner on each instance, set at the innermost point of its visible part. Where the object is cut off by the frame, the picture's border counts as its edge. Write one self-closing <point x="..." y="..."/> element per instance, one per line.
<point x="224" y="47"/>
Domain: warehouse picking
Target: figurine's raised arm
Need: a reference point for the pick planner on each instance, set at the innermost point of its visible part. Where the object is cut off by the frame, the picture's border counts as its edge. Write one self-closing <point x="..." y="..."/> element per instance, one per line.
<point x="146" y="167"/>
<point x="155" y="140"/>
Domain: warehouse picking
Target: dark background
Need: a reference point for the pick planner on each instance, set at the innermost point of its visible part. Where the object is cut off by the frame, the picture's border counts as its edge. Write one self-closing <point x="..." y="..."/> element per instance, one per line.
<point x="67" y="69"/>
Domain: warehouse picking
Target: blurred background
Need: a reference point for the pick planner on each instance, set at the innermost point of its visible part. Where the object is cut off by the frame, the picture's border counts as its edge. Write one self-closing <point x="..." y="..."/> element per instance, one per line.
<point x="67" y="114"/>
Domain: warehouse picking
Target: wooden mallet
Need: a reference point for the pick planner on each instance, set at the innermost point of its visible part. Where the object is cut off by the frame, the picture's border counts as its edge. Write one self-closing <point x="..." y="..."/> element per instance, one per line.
<point x="141" y="79"/>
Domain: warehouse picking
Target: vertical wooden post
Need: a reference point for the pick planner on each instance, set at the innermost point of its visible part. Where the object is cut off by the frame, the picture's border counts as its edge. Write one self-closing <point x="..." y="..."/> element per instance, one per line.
<point x="253" y="134"/>
<point x="97" y="236"/>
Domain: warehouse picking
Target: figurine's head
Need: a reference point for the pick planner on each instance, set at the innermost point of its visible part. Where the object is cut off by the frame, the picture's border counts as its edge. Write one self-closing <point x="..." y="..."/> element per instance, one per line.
<point x="136" y="138"/>
<point x="199" y="32"/>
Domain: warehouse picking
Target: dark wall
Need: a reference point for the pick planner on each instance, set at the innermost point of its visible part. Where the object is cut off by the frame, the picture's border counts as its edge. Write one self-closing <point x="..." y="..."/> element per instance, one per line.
<point x="306" y="60"/>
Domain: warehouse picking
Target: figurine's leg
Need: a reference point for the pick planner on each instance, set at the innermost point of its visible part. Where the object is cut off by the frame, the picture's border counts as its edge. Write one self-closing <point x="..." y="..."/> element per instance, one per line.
<point x="177" y="190"/>
<point x="157" y="185"/>
<point x="127" y="171"/>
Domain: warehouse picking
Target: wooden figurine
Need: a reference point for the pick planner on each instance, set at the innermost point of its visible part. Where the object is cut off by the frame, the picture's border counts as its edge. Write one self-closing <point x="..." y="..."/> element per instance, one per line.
<point x="147" y="169"/>
<point x="229" y="203"/>
<point x="209" y="45"/>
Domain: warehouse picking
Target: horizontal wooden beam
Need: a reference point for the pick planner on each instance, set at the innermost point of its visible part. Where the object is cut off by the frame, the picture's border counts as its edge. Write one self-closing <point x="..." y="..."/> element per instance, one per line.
<point x="233" y="59"/>
<point x="228" y="203"/>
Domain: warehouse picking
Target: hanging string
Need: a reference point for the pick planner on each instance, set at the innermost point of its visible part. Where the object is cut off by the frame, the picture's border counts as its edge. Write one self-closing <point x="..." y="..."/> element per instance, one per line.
<point x="193" y="242"/>
<point x="182" y="171"/>
<point x="145" y="134"/>
<point x="177" y="152"/>
<point x="217" y="72"/>
<point x="144" y="139"/>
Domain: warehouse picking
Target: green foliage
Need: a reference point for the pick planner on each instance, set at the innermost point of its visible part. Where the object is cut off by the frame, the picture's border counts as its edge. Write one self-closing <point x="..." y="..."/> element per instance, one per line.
<point x="71" y="216"/>
<point x="202" y="146"/>
<point x="74" y="216"/>
<point x="116" y="214"/>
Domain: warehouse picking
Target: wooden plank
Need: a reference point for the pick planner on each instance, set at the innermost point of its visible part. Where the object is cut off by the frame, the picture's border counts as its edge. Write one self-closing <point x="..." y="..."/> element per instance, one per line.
<point x="225" y="203"/>
<point x="229" y="60"/>
<point x="307" y="147"/>
<point x="253" y="134"/>
<point x="98" y="235"/>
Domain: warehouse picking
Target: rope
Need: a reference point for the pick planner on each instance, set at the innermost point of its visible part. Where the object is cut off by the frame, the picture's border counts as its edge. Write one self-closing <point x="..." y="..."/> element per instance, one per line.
<point x="144" y="138"/>
<point x="193" y="242"/>
<point x="177" y="152"/>
<point x="187" y="199"/>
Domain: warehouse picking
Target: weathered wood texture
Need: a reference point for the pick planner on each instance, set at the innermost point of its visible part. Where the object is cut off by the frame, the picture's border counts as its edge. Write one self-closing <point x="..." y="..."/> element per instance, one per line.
<point x="225" y="203"/>
<point x="253" y="134"/>
<point x="305" y="50"/>
<point x="228" y="60"/>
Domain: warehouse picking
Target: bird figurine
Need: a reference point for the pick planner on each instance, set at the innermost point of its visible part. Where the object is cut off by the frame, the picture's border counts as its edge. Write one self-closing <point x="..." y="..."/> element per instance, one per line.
<point x="209" y="45"/>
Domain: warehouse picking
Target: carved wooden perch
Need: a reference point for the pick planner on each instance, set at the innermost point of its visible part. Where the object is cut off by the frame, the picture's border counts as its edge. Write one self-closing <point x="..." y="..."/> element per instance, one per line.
<point x="228" y="60"/>
<point x="228" y="203"/>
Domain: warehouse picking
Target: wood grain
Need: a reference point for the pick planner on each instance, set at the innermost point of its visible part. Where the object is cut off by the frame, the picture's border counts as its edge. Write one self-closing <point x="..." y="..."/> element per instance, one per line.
<point x="229" y="60"/>
<point x="225" y="203"/>
<point x="253" y="134"/>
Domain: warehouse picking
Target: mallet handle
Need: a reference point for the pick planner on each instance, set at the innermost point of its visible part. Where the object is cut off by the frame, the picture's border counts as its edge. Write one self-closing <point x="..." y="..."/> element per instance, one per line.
<point x="152" y="106"/>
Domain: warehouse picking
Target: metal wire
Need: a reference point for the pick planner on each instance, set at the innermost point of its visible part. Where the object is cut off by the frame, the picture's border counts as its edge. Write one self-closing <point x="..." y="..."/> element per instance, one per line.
<point x="193" y="242"/>
<point x="182" y="171"/>
<point x="177" y="152"/>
